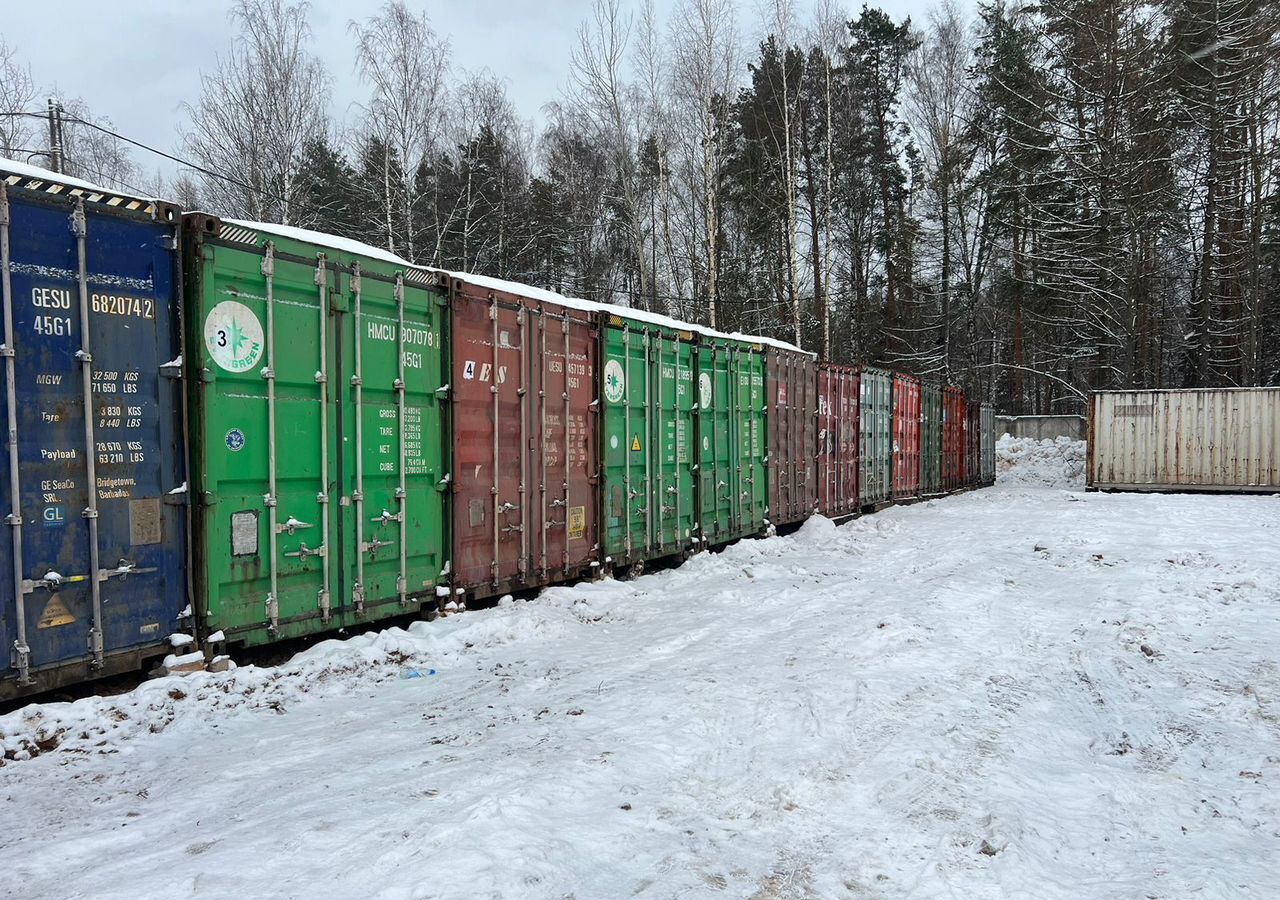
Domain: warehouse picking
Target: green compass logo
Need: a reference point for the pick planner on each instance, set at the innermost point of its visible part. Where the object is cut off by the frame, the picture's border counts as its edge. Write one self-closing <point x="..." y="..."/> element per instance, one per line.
<point x="233" y="336"/>
<point x="614" y="382"/>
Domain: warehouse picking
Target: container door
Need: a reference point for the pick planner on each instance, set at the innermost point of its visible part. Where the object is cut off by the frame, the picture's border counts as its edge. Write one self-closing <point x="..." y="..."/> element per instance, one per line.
<point x="492" y="430"/>
<point x="791" y="429"/>
<point x="824" y="458"/>
<point x="628" y="385"/>
<point x="717" y="484"/>
<point x="566" y="525"/>
<point x="392" y="453"/>
<point x="266" y="354"/>
<point x="838" y="441"/>
<point x="906" y="436"/>
<point x="988" y="444"/>
<point x="753" y="479"/>
<point x="96" y="565"/>
<point x="930" y="439"/>
<point x="875" y="453"/>
<point x="672" y="437"/>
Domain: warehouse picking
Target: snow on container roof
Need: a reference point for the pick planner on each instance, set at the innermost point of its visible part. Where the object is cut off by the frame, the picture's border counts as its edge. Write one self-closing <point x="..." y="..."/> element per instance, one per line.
<point x="15" y="172"/>
<point x="322" y="239"/>
<point x="548" y="296"/>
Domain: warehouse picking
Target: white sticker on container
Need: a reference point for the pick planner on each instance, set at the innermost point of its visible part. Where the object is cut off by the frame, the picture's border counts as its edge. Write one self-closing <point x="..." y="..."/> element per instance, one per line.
<point x="613" y="442"/>
<point x="485" y="369"/>
<point x="614" y="382"/>
<point x="469" y="370"/>
<point x="233" y="335"/>
<point x="704" y="390"/>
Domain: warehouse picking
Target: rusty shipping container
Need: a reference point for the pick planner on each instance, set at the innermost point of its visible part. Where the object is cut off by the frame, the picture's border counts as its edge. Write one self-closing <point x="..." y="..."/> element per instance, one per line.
<point x="972" y="443"/>
<point x="792" y="382"/>
<point x="94" y="556"/>
<point x="906" y="436"/>
<point x="524" y="426"/>
<point x="988" y="461"/>
<point x="837" y="456"/>
<point x="1185" y="440"/>
<point x="953" y="442"/>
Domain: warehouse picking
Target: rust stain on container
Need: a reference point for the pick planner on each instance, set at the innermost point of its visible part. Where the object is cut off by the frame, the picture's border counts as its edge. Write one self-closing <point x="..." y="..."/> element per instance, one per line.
<point x="906" y="436"/>
<point x="837" y="458"/>
<point x="953" y="438"/>
<point x="1194" y="440"/>
<point x="525" y="510"/>
<point x="792" y="404"/>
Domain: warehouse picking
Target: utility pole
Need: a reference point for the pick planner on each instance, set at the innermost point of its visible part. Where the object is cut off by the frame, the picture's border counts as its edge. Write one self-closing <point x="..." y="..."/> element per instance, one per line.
<point x="55" y="135"/>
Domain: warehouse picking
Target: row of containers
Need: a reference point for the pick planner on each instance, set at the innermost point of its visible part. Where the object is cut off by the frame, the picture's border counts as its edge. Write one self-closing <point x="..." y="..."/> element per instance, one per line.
<point x="289" y="433"/>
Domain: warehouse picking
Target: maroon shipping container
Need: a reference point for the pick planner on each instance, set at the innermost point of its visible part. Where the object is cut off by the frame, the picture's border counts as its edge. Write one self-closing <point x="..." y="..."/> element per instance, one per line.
<point x="525" y="510"/>
<point x="973" y="443"/>
<point x="953" y="442"/>
<point x="837" y="457"/>
<point x="906" y="436"/>
<point x="792" y="384"/>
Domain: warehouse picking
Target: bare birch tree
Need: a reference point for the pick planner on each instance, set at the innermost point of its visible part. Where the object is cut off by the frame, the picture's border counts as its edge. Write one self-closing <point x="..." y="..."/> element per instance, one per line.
<point x="17" y="97"/>
<point x="91" y="153"/>
<point x="704" y="50"/>
<point x="936" y="111"/>
<point x="406" y="64"/>
<point x="267" y="98"/>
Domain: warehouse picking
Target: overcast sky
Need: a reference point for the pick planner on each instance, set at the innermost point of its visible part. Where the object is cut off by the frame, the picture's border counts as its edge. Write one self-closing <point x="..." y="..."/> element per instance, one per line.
<point x="137" y="61"/>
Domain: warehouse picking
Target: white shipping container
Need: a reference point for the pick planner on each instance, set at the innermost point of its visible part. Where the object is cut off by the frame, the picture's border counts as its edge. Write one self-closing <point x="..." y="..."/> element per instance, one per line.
<point x="1194" y="440"/>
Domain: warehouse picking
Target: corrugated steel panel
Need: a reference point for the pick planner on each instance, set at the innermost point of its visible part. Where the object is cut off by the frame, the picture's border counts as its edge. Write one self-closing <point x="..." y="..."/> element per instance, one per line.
<point x="930" y="438"/>
<point x="1226" y="439"/>
<point x="792" y="382"/>
<point x="988" y="444"/>
<point x="953" y="442"/>
<point x="94" y="558"/>
<point x="525" y="501"/>
<point x="648" y="438"/>
<point x="875" y="435"/>
<point x="837" y="456"/>
<point x="906" y="436"/>
<point x="320" y="466"/>
<point x="733" y="483"/>
<point x="973" y="443"/>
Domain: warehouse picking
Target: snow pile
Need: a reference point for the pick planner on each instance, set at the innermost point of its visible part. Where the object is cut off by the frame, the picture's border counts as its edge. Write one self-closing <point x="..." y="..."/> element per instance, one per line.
<point x="101" y="725"/>
<point x="1055" y="463"/>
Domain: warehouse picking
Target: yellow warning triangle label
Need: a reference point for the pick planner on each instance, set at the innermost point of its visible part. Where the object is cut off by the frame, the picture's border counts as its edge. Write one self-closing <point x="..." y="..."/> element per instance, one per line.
<point x="635" y="444"/>
<point x="55" y="614"/>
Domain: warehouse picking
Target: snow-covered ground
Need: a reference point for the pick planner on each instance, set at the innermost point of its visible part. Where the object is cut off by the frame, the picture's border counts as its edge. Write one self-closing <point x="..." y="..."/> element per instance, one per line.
<point x="1026" y="691"/>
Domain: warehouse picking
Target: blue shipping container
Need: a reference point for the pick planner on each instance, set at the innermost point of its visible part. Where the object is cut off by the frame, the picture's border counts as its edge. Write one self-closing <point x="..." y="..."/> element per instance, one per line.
<point x="93" y="573"/>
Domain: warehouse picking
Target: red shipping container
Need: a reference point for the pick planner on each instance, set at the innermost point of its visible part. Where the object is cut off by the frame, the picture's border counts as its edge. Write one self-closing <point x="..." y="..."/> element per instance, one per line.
<point x="792" y="383"/>
<point x="837" y="457"/>
<point x="906" y="436"/>
<point x="953" y="439"/>
<point x="525" y="504"/>
<point x="973" y="443"/>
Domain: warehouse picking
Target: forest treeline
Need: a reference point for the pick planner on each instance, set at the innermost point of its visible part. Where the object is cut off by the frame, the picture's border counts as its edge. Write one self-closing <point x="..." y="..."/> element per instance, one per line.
<point x="1031" y="200"/>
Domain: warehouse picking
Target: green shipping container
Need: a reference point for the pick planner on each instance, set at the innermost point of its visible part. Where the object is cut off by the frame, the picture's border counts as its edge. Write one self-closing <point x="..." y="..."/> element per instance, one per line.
<point x="931" y="438"/>
<point x="732" y="484"/>
<point x="875" y="421"/>
<point x="648" y="438"/>
<point x="320" y="467"/>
